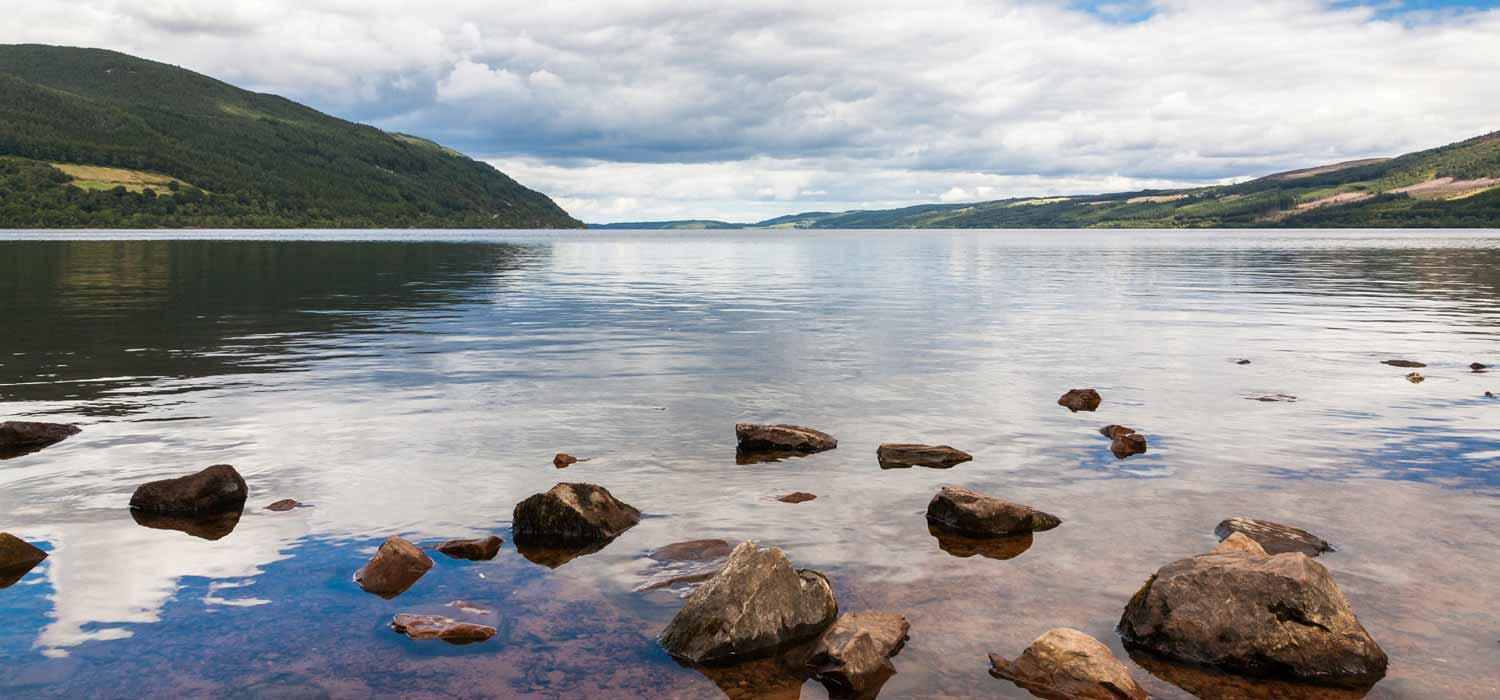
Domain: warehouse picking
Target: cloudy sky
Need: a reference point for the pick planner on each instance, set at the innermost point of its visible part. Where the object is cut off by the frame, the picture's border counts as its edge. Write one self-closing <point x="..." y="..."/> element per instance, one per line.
<point x="668" y="109"/>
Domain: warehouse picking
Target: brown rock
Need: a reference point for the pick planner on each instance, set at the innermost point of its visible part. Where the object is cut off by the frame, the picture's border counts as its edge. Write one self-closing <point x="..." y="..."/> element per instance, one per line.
<point x="483" y="549"/>
<point x="24" y="437"/>
<point x="563" y="460"/>
<point x="1478" y="367"/>
<point x="1113" y="431"/>
<point x="1489" y="394"/>
<point x="755" y="606"/>
<point x="283" y="505"/>
<point x="1275" y="538"/>
<point x="902" y="455"/>
<point x="1080" y="400"/>
<point x="853" y="657"/>
<point x="572" y="513"/>
<point x="1128" y="445"/>
<point x="797" y="497"/>
<point x="216" y="489"/>
<point x="685" y="564"/>
<point x="439" y="627"/>
<point x="965" y="511"/>
<point x="1415" y="378"/>
<point x="1238" y="542"/>
<point x="693" y="550"/>
<point x="1065" y="664"/>
<point x="1278" y="616"/>
<point x="790" y="438"/>
<point x="17" y="558"/>
<point x="965" y="546"/>
<point x="394" y="568"/>
<point x="1403" y="363"/>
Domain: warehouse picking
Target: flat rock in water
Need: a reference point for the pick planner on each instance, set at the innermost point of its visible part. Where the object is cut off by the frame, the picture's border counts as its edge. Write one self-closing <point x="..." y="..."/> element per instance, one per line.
<point x="439" y="627"/>
<point x="1128" y="445"/>
<point x="573" y="513"/>
<point x="483" y="549"/>
<point x="1240" y="361"/>
<point x="394" y="568"/>
<point x="1275" y="538"/>
<point x="1065" y="664"/>
<point x="1080" y="400"/>
<point x="797" y="497"/>
<point x="1415" y="378"/>
<point x="1279" y="616"/>
<point x="1113" y="431"/>
<point x="754" y="437"/>
<point x="563" y="460"/>
<point x="1478" y="367"/>
<point x="283" y="505"/>
<point x="685" y="564"/>
<point x="895" y="455"/>
<point x="693" y="550"/>
<point x="216" y="489"/>
<point x="964" y="511"/>
<point x="755" y="606"/>
<point x="24" y="437"/>
<point x="1274" y="398"/>
<point x="17" y="558"/>
<point x="1410" y="364"/>
<point x="853" y="656"/>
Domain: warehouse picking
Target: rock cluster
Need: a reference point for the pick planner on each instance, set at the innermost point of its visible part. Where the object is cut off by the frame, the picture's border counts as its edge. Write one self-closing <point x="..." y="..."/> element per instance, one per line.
<point x="1080" y="400"/>
<point x="1065" y="664"/>
<point x="1124" y="442"/>
<point x="853" y="656"/>
<point x="963" y="511"/>
<point x="902" y="455"/>
<point x="396" y="566"/>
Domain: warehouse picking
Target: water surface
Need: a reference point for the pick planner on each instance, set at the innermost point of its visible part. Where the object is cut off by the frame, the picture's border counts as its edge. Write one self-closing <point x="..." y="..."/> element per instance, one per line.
<point x="419" y="383"/>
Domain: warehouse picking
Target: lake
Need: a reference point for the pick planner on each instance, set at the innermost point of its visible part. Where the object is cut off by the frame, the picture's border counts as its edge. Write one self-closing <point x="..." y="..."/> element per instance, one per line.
<point x="419" y="383"/>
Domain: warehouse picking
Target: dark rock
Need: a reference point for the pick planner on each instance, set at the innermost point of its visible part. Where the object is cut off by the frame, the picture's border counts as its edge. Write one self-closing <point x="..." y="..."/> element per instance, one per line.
<point x="1489" y="394"/>
<point x="693" y="550"/>
<point x="1238" y="542"/>
<point x="853" y="657"/>
<point x="572" y="513"/>
<point x="797" y="497"/>
<point x="1208" y="684"/>
<point x="483" y="549"/>
<point x="1278" y="616"/>
<point x="964" y="511"/>
<point x="206" y="526"/>
<point x="1478" y="367"/>
<point x="17" y="558"/>
<point x="394" y="568"/>
<point x="1113" y="431"/>
<point x="1128" y="445"/>
<point x="1241" y="361"/>
<point x="1403" y="363"/>
<point x="439" y="627"/>
<point x="562" y="460"/>
<point x="965" y="546"/>
<point x="1274" y="398"/>
<point x="1415" y="378"/>
<point x="755" y="606"/>
<point x="216" y="489"/>
<point x="1080" y="400"/>
<point x="283" y="505"/>
<point x="901" y="455"/>
<point x="24" y="437"/>
<point x="1274" y="537"/>
<point x="790" y="438"/>
<point x="1065" y="664"/>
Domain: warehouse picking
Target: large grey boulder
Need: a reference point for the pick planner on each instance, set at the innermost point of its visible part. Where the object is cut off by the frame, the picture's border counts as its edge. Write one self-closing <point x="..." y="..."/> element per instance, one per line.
<point x="1275" y="538"/>
<point x="755" y="606"/>
<point x="897" y="455"/>
<point x="964" y="511"/>
<point x="573" y="513"/>
<point x="853" y="656"/>
<point x="396" y="566"/>
<point x="1278" y="616"/>
<point x="1065" y="664"/>
<point x="216" y="489"/>
<point x="24" y="437"/>
<point x="753" y="437"/>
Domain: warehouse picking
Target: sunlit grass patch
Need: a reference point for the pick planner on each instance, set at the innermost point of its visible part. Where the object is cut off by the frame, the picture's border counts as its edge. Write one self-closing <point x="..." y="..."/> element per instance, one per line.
<point x="98" y="177"/>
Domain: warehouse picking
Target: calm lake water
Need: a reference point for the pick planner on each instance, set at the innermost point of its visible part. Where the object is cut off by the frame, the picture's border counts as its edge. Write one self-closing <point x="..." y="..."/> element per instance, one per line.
<point x="419" y="384"/>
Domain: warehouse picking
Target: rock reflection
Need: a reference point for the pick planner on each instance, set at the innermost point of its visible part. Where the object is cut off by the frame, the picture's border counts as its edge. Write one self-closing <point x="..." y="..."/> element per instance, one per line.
<point x="965" y="546"/>
<point x="554" y="553"/>
<point x="778" y="677"/>
<point x="9" y="576"/>
<point x="213" y="526"/>
<point x="744" y="457"/>
<point x="1208" y="684"/>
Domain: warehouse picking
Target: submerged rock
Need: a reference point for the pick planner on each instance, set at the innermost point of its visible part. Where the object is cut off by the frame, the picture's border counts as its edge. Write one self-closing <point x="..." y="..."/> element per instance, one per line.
<point x="17" y="558"/>
<point x="395" y="567"/>
<point x="853" y="656"/>
<point x="901" y="455"/>
<point x="1275" y="538"/>
<point x="483" y="549"/>
<point x="563" y="460"/>
<point x="1478" y="367"/>
<point x="439" y="627"/>
<point x="1415" y="378"/>
<point x="1279" y="616"/>
<point x="215" y="489"/>
<point x="797" y="497"/>
<point x="1274" y="398"/>
<point x="1065" y="664"/>
<point x="965" y="546"/>
<point x="964" y="511"/>
<point x="1409" y="364"/>
<point x="756" y="605"/>
<point x="24" y="437"/>
<point x="790" y="438"/>
<point x="573" y="513"/>
<point x="283" y="505"/>
<point x="1080" y="400"/>
<point x="693" y="550"/>
<point x="207" y="526"/>
<point x="685" y="564"/>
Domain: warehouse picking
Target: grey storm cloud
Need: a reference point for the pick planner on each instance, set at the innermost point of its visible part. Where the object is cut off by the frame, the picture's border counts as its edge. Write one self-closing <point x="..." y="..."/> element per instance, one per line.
<point x="862" y="103"/>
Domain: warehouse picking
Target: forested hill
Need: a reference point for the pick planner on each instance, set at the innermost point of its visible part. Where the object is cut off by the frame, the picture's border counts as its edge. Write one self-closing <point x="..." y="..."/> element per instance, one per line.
<point x="1453" y="186"/>
<point x="93" y="138"/>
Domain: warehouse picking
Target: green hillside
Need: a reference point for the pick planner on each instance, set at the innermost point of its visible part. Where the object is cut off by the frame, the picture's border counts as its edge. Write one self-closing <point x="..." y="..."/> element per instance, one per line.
<point x="1455" y="186"/>
<point x="93" y="138"/>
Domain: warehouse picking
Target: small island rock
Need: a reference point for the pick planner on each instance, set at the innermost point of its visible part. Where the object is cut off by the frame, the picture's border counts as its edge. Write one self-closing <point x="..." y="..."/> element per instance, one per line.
<point x="576" y="513"/>
<point x="853" y="657"/>
<point x="1478" y="367"/>
<point x="214" y="490"/>
<point x="1275" y="538"/>
<point x="964" y="511"/>
<point x="1065" y="664"/>
<point x="483" y="549"/>
<point x="755" y="606"/>
<point x="17" y="558"/>
<point x="1080" y="400"/>
<point x="1408" y="364"/>
<point x="900" y="455"/>
<point x="789" y="438"/>
<point x="395" y="567"/>
<point x="797" y="497"/>
<point x="23" y="437"/>
<point x="563" y="460"/>
<point x="439" y="627"/>
<point x="283" y="505"/>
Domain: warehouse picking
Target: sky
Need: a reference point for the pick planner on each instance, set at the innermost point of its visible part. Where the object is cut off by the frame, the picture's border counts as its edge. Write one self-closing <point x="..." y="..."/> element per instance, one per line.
<point x="643" y="110"/>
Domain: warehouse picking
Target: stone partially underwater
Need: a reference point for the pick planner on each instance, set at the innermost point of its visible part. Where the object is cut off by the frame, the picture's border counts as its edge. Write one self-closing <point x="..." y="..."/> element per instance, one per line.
<point x="1080" y="400"/>
<point x="18" y="438"/>
<point x="1274" y="538"/>
<point x="905" y="455"/>
<point x="483" y="549"/>
<point x="569" y="521"/>
<point x="962" y="511"/>
<point x="1065" y="664"/>
<point x="17" y="558"/>
<point x="752" y="438"/>
<point x="424" y="627"/>
<point x="852" y="658"/>
<point x="214" y="490"/>
<point x="396" y="566"/>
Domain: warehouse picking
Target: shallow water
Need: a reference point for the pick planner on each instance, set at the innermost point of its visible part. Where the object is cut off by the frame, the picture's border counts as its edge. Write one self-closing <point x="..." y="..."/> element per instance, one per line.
<point x="419" y="385"/>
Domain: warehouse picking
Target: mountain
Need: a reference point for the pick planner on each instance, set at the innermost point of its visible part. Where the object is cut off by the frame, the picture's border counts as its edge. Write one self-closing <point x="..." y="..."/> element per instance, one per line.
<point x="1455" y="186"/>
<point x="94" y="138"/>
